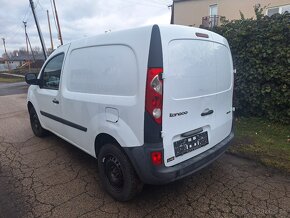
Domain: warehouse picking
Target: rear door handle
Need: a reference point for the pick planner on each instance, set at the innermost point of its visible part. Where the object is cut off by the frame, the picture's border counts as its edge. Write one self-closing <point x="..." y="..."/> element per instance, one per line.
<point x="55" y="101"/>
<point x="207" y="112"/>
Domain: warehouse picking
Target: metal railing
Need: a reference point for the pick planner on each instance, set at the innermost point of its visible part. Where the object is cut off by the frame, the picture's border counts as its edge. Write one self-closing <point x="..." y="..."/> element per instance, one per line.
<point x="210" y="21"/>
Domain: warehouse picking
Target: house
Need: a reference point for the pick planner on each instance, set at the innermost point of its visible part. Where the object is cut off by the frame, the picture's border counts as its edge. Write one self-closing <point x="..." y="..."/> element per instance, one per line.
<point x="21" y="60"/>
<point x="16" y="61"/>
<point x="208" y="13"/>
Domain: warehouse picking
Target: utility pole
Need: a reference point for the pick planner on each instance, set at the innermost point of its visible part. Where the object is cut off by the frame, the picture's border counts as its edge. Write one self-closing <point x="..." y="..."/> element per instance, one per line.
<point x="6" y="53"/>
<point x="58" y="26"/>
<point x="28" y="42"/>
<point x="51" y="42"/>
<point x="38" y="29"/>
<point x="27" y="51"/>
<point x="31" y="49"/>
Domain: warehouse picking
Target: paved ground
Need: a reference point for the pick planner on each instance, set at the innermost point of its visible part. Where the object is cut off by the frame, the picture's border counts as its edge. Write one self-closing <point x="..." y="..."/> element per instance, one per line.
<point x="49" y="177"/>
<point x="12" y="74"/>
<point x="13" y="88"/>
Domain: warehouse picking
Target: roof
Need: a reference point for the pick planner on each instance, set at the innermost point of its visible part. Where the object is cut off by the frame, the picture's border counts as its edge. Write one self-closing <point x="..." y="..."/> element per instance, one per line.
<point x="24" y="57"/>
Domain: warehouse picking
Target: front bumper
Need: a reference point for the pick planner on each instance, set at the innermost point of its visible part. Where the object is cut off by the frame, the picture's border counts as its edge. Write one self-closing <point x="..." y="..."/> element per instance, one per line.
<point x="150" y="174"/>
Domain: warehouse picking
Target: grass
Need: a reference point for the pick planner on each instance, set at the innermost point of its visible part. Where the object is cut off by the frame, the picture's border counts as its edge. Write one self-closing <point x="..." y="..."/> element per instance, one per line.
<point x="10" y="79"/>
<point x="22" y="71"/>
<point x="264" y="141"/>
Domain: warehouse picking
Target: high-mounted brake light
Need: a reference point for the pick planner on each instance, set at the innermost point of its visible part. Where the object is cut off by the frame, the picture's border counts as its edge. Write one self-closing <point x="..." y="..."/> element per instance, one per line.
<point x="154" y="96"/>
<point x="203" y="35"/>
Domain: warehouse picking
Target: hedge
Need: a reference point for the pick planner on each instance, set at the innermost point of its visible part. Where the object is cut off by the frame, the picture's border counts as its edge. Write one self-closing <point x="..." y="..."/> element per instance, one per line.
<point x="261" y="56"/>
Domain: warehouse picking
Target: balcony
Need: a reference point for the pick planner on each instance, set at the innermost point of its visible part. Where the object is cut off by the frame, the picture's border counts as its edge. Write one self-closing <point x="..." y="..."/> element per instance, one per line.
<point x="211" y="21"/>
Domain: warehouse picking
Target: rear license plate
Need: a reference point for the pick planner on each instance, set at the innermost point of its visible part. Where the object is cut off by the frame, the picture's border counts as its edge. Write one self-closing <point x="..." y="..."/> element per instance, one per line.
<point x="189" y="144"/>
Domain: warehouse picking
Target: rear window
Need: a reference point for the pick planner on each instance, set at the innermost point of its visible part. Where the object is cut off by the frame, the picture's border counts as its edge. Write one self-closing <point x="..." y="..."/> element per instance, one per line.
<point x="199" y="67"/>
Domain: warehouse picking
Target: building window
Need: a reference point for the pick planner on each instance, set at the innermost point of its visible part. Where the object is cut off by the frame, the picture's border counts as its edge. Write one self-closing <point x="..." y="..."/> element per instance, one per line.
<point x="280" y="9"/>
<point x="285" y="8"/>
<point x="213" y="15"/>
<point x="213" y="10"/>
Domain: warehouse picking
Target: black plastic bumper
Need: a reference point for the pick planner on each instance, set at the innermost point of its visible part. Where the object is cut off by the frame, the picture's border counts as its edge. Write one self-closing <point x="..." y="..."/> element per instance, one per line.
<point x="150" y="174"/>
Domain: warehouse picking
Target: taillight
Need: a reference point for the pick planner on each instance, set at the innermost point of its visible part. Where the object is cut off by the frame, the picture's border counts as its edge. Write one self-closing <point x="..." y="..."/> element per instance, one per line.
<point x="154" y="96"/>
<point x="156" y="158"/>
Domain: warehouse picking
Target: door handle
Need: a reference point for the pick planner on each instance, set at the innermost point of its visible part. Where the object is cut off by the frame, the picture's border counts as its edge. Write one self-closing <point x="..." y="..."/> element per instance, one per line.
<point x="207" y="112"/>
<point x="55" y="101"/>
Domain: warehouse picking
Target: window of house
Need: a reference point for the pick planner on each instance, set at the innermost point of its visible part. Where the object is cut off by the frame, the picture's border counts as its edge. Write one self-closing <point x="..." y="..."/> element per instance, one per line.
<point x="51" y="72"/>
<point x="213" y="10"/>
<point x="272" y="11"/>
<point x="285" y="8"/>
<point x="213" y="15"/>
<point x="279" y="9"/>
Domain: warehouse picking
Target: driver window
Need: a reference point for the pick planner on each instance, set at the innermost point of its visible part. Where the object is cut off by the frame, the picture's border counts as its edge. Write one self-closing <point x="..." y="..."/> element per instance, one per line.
<point x="51" y="73"/>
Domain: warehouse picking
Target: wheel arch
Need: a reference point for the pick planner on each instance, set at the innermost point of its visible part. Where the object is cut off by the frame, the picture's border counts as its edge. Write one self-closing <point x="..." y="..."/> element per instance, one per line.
<point x="29" y="106"/>
<point x="102" y="139"/>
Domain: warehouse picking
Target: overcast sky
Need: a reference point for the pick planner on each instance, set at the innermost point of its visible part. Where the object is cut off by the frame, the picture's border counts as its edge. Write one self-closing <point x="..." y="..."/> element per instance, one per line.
<point x="78" y="18"/>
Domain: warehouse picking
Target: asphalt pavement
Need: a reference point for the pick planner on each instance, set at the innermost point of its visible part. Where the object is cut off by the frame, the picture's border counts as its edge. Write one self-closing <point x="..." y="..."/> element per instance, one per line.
<point x="13" y="88"/>
<point x="48" y="177"/>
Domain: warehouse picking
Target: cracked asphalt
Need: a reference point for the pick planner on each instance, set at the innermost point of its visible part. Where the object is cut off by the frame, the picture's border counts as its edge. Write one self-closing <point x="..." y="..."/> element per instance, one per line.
<point x="50" y="178"/>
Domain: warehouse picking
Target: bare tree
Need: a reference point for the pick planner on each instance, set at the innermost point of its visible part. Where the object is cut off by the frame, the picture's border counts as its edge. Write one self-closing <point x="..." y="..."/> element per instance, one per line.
<point x="37" y="50"/>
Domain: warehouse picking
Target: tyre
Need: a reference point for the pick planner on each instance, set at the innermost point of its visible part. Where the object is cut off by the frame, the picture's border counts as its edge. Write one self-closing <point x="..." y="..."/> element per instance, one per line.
<point x="35" y="124"/>
<point x="117" y="174"/>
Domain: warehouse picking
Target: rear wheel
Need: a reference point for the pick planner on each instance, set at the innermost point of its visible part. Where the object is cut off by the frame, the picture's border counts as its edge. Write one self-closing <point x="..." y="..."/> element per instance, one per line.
<point x="117" y="174"/>
<point x="35" y="124"/>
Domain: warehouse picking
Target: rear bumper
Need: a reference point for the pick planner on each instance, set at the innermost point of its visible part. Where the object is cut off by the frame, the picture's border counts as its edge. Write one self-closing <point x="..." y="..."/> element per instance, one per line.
<point x="149" y="174"/>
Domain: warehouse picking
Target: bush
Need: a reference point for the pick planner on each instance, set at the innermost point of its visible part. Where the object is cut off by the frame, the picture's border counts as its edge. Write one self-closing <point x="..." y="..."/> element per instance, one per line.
<point x="261" y="55"/>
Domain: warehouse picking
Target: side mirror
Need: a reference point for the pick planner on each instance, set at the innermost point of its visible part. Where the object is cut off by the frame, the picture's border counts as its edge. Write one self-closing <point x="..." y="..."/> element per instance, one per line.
<point x="31" y="79"/>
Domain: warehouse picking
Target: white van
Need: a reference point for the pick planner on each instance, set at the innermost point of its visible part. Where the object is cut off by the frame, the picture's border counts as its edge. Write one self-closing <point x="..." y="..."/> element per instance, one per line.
<point x="152" y="104"/>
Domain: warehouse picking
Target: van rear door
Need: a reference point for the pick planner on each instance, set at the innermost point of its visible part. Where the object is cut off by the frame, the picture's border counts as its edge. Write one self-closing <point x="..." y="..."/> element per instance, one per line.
<point x="197" y="99"/>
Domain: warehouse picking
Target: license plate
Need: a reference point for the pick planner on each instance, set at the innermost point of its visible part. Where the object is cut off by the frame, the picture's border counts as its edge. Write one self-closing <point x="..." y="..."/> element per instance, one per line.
<point x="189" y="144"/>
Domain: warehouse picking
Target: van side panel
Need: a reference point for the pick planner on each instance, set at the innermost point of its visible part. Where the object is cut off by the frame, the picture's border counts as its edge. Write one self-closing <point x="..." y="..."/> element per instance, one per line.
<point x="103" y="88"/>
<point x="101" y="77"/>
<point x="103" y="70"/>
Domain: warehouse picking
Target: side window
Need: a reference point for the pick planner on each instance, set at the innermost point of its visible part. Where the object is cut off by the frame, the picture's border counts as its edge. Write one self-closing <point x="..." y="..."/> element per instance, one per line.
<point x="51" y="73"/>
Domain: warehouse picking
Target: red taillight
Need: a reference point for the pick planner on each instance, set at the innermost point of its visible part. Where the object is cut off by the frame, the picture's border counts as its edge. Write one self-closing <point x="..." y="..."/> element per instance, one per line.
<point x="154" y="96"/>
<point x="156" y="158"/>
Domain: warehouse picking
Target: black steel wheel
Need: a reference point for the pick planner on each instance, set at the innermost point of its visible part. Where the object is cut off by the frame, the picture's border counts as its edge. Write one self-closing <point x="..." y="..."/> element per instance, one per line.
<point x="117" y="175"/>
<point x="113" y="171"/>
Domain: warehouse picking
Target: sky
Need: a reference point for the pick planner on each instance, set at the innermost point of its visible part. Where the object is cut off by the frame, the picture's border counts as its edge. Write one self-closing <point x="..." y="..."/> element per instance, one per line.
<point x="78" y="19"/>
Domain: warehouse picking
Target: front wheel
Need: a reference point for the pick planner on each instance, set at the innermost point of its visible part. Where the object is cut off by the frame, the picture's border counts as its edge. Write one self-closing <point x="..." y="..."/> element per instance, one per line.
<point x="117" y="174"/>
<point x="35" y="124"/>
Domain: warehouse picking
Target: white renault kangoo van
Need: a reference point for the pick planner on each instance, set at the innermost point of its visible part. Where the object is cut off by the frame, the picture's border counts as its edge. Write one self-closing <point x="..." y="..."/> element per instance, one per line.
<point x="152" y="104"/>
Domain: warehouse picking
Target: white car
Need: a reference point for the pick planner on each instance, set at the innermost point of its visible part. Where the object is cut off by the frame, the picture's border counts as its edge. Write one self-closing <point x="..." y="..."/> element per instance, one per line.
<point x="152" y="104"/>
